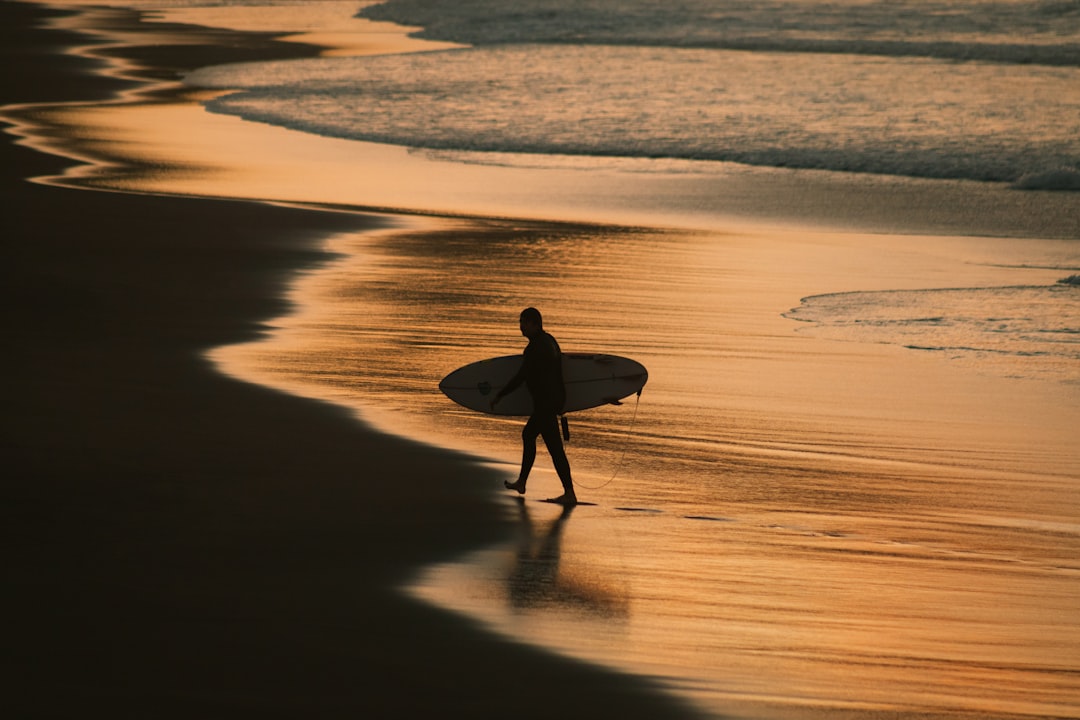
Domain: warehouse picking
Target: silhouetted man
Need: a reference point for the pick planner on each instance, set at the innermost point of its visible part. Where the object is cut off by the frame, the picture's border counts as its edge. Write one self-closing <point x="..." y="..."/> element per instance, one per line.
<point x="541" y="371"/>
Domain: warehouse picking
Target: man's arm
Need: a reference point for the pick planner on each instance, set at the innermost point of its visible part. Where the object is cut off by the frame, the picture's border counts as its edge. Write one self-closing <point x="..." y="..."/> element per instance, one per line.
<point x="512" y="385"/>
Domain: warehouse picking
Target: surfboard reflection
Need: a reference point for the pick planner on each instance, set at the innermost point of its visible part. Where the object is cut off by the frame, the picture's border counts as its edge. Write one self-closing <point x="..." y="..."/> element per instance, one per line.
<point x="538" y="582"/>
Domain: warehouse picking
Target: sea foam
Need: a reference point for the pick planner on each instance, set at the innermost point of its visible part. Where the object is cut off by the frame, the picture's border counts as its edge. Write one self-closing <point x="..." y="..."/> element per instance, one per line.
<point x="1032" y="31"/>
<point x="895" y="116"/>
<point x="1056" y="179"/>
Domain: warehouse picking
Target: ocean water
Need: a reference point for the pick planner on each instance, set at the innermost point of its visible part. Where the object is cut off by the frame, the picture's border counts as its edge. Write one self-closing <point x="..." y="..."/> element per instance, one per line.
<point x="850" y="487"/>
<point x="969" y="90"/>
<point x="1003" y="328"/>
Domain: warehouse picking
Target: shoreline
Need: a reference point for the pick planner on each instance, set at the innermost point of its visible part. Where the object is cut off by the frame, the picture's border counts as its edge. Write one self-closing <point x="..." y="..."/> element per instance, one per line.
<point x="180" y="542"/>
<point x="195" y="516"/>
<point x="230" y="157"/>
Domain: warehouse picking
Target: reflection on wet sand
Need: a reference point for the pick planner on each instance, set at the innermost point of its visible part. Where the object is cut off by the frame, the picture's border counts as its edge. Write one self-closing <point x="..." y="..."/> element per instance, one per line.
<point x="876" y="502"/>
<point x="535" y="581"/>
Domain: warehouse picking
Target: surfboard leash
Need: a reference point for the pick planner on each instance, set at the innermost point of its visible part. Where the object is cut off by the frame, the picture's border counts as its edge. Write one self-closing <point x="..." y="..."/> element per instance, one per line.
<point x="622" y="457"/>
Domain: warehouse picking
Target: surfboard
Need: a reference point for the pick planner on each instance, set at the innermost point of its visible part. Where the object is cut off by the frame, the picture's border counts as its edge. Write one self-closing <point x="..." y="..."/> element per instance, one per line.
<point x="591" y="380"/>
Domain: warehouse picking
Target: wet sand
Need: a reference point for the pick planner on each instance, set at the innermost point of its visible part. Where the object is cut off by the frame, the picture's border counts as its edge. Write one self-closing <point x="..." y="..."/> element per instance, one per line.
<point x="181" y="544"/>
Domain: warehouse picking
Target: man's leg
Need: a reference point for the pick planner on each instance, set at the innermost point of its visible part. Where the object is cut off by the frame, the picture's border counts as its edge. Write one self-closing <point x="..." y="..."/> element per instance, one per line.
<point x="528" y="453"/>
<point x="549" y="429"/>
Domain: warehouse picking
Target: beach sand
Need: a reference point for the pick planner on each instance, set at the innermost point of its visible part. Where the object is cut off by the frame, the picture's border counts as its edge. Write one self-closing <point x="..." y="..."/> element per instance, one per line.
<point x="182" y="544"/>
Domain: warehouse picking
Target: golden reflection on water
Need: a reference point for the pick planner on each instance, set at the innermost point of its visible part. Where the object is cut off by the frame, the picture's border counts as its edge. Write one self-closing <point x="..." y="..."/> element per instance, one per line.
<point x="796" y="527"/>
<point x="538" y="580"/>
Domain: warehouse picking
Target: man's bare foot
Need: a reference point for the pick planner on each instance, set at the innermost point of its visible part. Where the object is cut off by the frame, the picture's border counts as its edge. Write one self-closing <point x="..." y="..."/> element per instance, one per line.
<point x="567" y="499"/>
<point x="519" y="486"/>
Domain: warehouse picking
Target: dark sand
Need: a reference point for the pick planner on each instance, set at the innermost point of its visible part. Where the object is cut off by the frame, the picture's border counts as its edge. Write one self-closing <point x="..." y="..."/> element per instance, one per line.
<point x="181" y="544"/>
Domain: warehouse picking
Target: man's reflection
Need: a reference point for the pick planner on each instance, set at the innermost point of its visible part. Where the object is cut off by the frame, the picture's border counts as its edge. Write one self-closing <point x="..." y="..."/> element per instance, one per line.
<point x="535" y="581"/>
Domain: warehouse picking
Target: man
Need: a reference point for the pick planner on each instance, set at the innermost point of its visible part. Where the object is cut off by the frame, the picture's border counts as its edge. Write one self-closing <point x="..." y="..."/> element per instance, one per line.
<point x="541" y="371"/>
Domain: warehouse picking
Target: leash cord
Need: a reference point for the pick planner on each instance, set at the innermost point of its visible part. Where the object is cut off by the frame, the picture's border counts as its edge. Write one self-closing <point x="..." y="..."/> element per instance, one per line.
<point x="622" y="457"/>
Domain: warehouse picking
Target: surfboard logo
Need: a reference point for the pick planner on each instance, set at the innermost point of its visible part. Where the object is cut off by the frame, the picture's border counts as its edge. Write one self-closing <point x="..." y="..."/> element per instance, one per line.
<point x="484" y="387"/>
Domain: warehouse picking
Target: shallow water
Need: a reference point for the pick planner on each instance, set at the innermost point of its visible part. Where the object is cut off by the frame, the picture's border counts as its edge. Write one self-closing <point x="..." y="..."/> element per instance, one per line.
<point x="1033" y="331"/>
<point x="786" y="524"/>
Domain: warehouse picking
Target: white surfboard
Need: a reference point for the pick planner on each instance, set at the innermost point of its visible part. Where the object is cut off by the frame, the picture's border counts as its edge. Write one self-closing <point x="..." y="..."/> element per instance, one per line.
<point x="591" y="380"/>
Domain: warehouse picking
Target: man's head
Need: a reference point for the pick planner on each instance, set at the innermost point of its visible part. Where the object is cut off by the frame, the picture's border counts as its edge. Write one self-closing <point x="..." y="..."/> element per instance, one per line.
<point x="531" y="321"/>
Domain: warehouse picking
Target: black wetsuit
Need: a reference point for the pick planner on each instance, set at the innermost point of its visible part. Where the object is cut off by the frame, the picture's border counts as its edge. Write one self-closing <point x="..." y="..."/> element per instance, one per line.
<point x="541" y="371"/>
